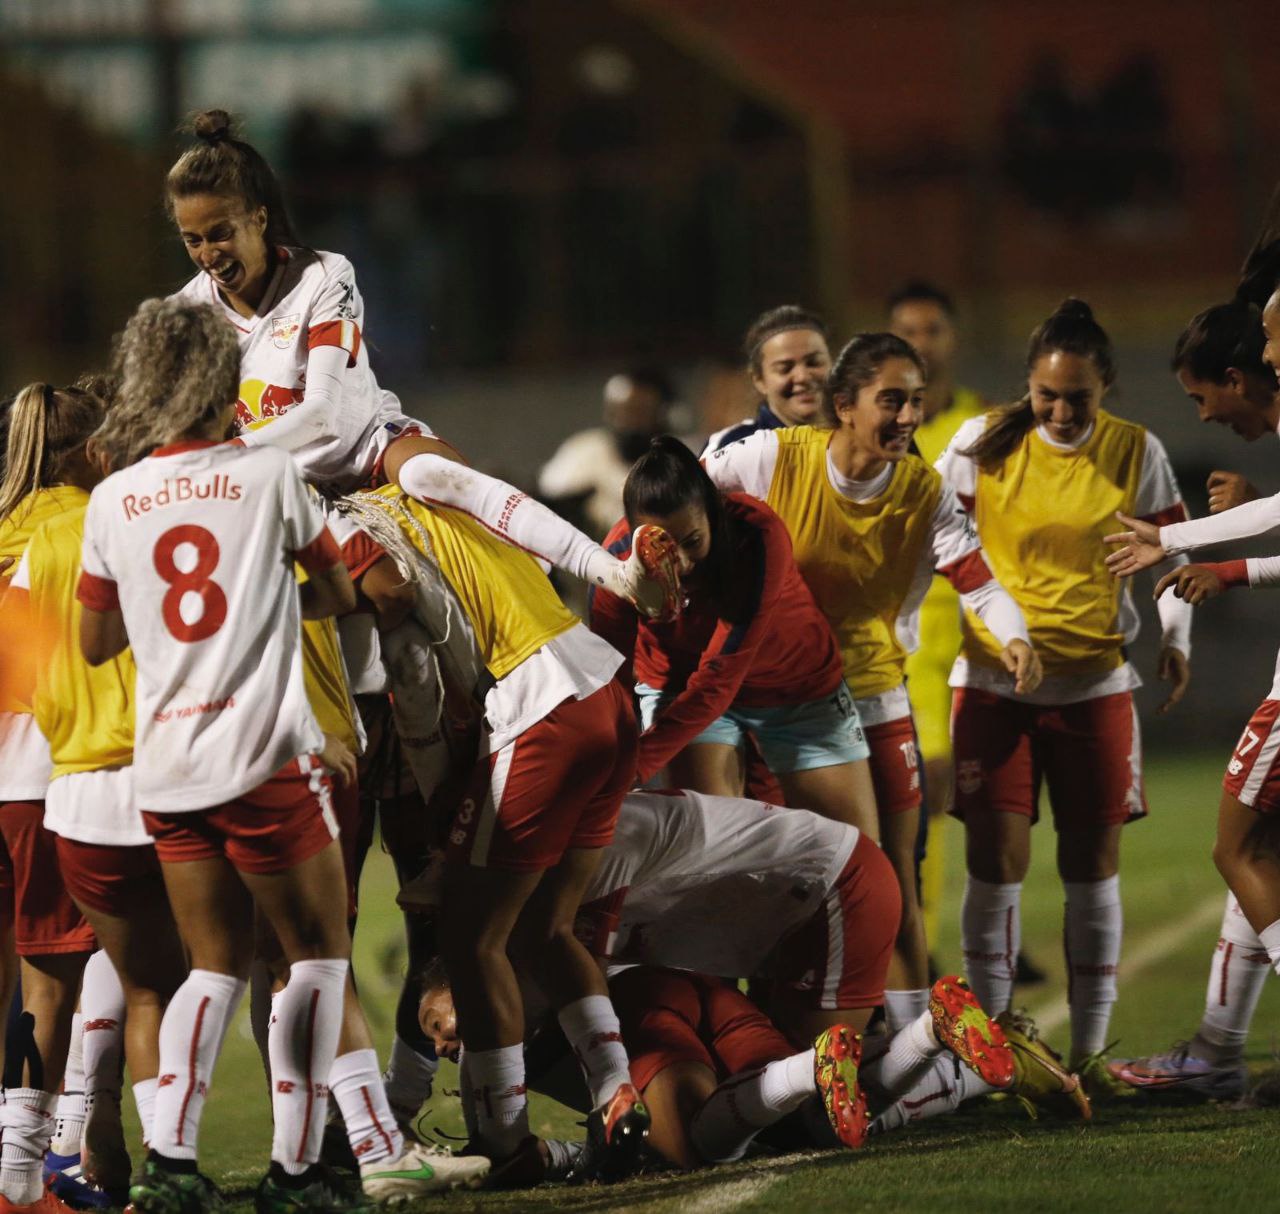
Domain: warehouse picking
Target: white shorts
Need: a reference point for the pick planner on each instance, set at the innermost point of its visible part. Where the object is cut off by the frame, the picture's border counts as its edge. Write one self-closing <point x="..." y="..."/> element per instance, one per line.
<point x="96" y="807"/>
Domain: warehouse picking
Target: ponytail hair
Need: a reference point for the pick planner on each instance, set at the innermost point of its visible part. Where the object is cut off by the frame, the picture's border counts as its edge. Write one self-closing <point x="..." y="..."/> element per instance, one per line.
<point x="45" y="425"/>
<point x="1260" y="274"/>
<point x="175" y="368"/>
<point x="1071" y="329"/>
<point x="1224" y="336"/>
<point x="223" y="164"/>
<point x="859" y="363"/>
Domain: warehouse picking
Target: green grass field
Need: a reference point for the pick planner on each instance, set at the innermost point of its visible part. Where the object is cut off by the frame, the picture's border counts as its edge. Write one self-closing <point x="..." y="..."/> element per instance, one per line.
<point x="1192" y="1158"/>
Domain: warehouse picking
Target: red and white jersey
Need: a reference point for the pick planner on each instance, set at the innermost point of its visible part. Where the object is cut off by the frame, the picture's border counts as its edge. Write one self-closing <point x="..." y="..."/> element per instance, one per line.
<point x="311" y="304"/>
<point x="713" y="883"/>
<point x="195" y="545"/>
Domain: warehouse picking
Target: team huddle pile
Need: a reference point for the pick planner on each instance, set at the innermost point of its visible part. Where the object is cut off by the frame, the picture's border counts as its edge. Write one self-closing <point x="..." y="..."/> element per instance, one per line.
<point x="251" y="604"/>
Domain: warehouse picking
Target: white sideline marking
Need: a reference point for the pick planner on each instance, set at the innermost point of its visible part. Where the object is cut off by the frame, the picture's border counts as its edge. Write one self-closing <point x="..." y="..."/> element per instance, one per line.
<point x="728" y="1197"/>
<point x="1152" y="949"/>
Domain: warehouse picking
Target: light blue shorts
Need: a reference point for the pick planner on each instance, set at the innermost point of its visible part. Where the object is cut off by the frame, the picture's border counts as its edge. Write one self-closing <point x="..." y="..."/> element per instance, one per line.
<point x="795" y="737"/>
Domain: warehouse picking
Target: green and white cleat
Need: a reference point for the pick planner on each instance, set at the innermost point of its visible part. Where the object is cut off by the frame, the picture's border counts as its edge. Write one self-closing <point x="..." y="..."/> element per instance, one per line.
<point x="423" y="1168"/>
<point x="1040" y="1078"/>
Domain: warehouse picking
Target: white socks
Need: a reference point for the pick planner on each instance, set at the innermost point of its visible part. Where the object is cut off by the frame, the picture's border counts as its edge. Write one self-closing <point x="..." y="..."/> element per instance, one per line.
<point x="302" y="1042"/>
<point x="906" y="1062"/>
<point x="947" y="1083"/>
<point x="27" y="1122"/>
<point x="69" y="1119"/>
<point x="991" y="932"/>
<point x="144" y="1096"/>
<point x="357" y="1086"/>
<point x="902" y="1008"/>
<point x="594" y="1035"/>
<point x="408" y="1079"/>
<point x="190" y="1037"/>
<point x="495" y="1085"/>
<point x="511" y="514"/>
<point x="1093" y="924"/>
<point x="1236" y="977"/>
<point x="745" y="1104"/>
<point x="1270" y="939"/>
<point x="102" y="1007"/>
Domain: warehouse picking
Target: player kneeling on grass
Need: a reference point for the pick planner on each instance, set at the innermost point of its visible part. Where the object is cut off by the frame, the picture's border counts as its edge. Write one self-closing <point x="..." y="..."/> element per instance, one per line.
<point x="225" y="758"/>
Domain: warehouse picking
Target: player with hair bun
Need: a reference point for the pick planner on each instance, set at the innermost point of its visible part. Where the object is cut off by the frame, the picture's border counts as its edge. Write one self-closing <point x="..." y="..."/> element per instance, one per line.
<point x="1044" y="477"/>
<point x="306" y="385"/>
<point x="870" y="523"/>
<point x="47" y="473"/>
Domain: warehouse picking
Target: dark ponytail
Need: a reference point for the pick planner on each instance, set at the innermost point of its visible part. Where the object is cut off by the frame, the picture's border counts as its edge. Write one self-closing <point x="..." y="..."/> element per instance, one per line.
<point x="222" y="164"/>
<point x="1070" y="330"/>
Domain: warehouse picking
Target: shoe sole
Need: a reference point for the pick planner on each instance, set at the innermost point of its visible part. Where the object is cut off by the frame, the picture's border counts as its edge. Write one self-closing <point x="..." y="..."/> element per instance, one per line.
<point x="625" y="1142"/>
<point x="981" y="1046"/>
<point x="837" y="1054"/>
<point x="1197" y="1087"/>
<point x="397" y="1190"/>
<point x="657" y="553"/>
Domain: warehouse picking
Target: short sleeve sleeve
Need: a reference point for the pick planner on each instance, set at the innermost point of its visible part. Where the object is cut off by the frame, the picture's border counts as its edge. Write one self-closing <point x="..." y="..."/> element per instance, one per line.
<point x="338" y="313"/>
<point x="745" y="466"/>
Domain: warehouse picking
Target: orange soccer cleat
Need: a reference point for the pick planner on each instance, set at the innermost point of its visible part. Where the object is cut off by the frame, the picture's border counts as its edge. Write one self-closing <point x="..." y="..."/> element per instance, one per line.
<point x="961" y="1025"/>
<point x="837" y="1052"/>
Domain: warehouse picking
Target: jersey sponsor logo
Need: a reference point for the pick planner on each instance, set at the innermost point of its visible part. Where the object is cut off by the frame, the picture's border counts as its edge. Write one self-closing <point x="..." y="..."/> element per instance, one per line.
<point x="284" y="329"/>
<point x="181" y="489"/>
<point x="260" y="400"/>
<point x="194" y="710"/>
<point x="969" y="776"/>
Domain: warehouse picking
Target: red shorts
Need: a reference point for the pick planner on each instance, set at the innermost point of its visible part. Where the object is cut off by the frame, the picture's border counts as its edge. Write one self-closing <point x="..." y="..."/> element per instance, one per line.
<point x="840" y="957"/>
<point x="270" y="829"/>
<point x="559" y="785"/>
<point x="895" y="765"/>
<point x="111" y="879"/>
<point x="1090" y="753"/>
<point x="672" y="1016"/>
<point x="33" y="896"/>
<point x="1253" y="775"/>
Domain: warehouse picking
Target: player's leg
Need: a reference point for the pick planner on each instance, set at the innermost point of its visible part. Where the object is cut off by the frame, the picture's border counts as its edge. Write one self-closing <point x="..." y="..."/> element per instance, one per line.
<point x="1247" y="853"/>
<point x="1092" y="763"/>
<point x="715" y="768"/>
<point x="997" y="786"/>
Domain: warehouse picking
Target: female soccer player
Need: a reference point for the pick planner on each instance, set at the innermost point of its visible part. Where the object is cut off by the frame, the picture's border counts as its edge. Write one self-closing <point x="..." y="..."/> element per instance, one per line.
<point x="1248" y="840"/>
<point x="870" y="524"/>
<point x="788" y="361"/>
<point x="557" y="755"/>
<point x="1218" y="361"/>
<point x="1043" y="478"/>
<point x="305" y="382"/>
<point x="226" y="764"/>
<point x="750" y="655"/>
<point x="46" y="473"/>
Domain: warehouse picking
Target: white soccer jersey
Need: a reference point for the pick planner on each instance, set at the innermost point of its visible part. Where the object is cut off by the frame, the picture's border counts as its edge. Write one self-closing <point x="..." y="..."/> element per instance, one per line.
<point x="196" y="545"/>
<point x="311" y="304"/>
<point x="713" y="883"/>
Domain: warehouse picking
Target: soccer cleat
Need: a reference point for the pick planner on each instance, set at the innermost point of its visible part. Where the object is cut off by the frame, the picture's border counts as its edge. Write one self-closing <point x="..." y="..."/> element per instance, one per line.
<point x="1103" y="1087"/>
<point x="157" y="1190"/>
<point x="960" y="1025"/>
<point x="837" y="1052"/>
<point x="651" y="574"/>
<point x="1178" y="1073"/>
<point x="615" y="1139"/>
<point x="65" y="1177"/>
<point x="47" y="1203"/>
<point x="319" y="1190"/>
<point x="1040" y="1078"/>
<point x="423" y="1168"/>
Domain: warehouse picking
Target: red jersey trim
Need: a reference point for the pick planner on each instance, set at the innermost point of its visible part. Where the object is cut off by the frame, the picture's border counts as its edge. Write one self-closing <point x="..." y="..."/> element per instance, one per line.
<point x="345" y="334"/>
<point x="968" y="573"/>
<point x="98" y="593"/>
<point x="360" y="553"/>
<point x="967" y="500"/>
<point x="1177" y="513"/>
<point x="1231" y="573"/>
<point x="321" y="554"/>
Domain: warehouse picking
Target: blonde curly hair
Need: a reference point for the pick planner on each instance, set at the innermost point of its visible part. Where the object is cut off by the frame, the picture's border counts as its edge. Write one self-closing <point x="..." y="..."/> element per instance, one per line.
<point x="176" y="366"/>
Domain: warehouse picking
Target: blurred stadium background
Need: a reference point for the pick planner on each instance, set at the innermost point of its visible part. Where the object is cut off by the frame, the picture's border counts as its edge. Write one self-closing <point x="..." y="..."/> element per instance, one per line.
<point x="539" y="193"/>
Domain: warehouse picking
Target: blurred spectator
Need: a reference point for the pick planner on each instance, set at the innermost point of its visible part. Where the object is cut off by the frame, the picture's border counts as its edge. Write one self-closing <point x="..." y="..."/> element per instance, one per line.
<point x="586" y="474"/>
<point x="1135" y="124"/>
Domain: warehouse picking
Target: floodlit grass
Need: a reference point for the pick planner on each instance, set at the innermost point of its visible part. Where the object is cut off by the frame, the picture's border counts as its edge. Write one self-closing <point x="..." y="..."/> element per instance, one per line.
<point x="1193" y="1158"/>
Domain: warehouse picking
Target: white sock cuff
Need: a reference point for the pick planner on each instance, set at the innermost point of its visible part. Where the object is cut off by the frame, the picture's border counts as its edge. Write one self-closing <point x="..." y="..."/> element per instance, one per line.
<point x="222" y="984"/>
<point x="31" y="1098"/>
<point x="1086" y="895"/>
<point x="353" y="1064"/>
<point x="321" y="970"/>
<point x="1270" y="938"/>
<point x="588" y="1014"/>
<point x="1236" y="929"/>
<point x="989" y="895"/>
